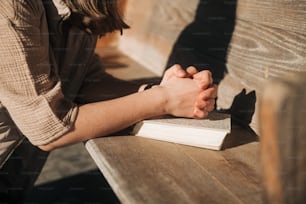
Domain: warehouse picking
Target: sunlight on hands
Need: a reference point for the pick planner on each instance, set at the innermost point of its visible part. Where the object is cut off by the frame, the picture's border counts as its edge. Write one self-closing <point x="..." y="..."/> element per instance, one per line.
<point x="204" y="79"/>
<point x="174" y="71"/>
<point x="205" y="102"/>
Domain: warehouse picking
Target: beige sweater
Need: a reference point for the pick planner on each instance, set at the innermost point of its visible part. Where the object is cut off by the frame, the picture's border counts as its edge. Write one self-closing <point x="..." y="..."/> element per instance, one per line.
<point x="31" y="80"/>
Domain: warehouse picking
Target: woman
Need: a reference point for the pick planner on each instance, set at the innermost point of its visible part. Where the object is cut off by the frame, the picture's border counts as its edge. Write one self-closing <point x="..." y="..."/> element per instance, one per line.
<point x="54" y="92"/>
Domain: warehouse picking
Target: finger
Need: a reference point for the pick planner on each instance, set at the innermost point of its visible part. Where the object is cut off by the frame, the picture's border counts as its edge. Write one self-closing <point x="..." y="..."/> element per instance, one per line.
<point x="204" y="78"/>
<point x="179" y="71"/>
<point x="200" y="104"/>
<point x="204" y="74"/>
<point x="198" y="113"/>
<point x="209" y="93"/>
<point x="175" y="71"/>
<point x="191" y="71"/>
<point x="208" y="105"/>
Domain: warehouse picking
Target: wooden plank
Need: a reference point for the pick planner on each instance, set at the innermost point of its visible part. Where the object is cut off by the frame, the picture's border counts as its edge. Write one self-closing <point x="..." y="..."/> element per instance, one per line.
<point x="240" y="99"/>
<point x="283" y="153"/>
<point x="282" y="14"/>
<point x="258" y="53"/>
<point x="142" y="170"/>
<point x="155" y="26"/>
<point x="236" y="168"/>
<point x="267" y="33"/>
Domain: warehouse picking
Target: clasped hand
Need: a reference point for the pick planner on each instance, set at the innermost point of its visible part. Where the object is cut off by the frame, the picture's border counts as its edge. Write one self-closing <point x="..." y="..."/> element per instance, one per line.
<point x="201" y="97"/>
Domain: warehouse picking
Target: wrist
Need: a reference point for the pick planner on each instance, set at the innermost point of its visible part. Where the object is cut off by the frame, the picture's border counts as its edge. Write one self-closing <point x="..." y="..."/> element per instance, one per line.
<point x="157" y="97"/>
<point x="162" y="97"/>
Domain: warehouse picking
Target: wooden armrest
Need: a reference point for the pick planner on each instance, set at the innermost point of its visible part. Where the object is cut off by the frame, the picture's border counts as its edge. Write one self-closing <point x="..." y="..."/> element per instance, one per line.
<point x="283" y="139"/>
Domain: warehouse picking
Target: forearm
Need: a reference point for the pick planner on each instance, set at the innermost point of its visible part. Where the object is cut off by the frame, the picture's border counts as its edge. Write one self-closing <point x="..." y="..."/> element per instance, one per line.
<point x="182" y="97"/>
<point x="103" y="118"/>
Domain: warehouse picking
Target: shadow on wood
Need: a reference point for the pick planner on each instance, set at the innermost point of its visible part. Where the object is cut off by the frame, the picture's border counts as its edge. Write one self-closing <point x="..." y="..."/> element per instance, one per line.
<point x="239" y="136"/>
<point x="204" y="43"/>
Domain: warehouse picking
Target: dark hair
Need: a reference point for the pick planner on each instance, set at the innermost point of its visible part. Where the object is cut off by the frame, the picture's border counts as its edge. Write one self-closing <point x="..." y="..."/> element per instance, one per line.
<point x="95" y="16"/>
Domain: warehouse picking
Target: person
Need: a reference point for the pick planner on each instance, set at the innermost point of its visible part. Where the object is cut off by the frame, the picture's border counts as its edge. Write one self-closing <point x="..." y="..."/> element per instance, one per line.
<point x="54" y="91"/>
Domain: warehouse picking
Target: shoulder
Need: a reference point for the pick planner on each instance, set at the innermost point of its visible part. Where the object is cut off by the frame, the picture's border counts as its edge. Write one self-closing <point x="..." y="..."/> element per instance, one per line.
<point x="21" y="11"/>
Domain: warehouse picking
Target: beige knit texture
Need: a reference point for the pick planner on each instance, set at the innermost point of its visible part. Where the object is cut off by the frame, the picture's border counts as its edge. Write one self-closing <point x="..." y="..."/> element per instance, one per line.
<point x="29" y="88"/>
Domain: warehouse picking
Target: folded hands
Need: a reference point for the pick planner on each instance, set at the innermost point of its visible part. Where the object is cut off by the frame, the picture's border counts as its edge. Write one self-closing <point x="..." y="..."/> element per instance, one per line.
<point x="204" y="91"/>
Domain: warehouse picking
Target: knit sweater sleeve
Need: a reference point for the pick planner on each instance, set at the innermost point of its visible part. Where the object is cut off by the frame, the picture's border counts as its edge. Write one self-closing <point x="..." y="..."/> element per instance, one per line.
<point x="29" y="86"/>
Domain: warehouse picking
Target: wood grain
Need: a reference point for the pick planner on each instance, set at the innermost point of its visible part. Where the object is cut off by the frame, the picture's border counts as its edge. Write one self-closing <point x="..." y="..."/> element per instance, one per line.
<point x="268" y="39"/>
<point x="155" y="26"/>
<point x="236" y="169"/>
<point x="283" y="153"/>
<point x="240" y="100"/>
<point x="268" y="43"/>
<point x="258" y="53"/>
<point x="142" y="170"/>
<point x="282" y="14"/>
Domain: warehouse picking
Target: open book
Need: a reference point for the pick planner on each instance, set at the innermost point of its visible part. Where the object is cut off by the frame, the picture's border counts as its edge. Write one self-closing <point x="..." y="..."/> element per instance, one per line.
<point x="206" y="133"/>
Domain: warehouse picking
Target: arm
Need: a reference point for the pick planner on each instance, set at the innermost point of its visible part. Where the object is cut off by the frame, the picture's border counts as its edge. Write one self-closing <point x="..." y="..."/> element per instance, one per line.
<point x="32" y="93"/>
<point x="176" y="97"/>
<point x="29" y="87"/>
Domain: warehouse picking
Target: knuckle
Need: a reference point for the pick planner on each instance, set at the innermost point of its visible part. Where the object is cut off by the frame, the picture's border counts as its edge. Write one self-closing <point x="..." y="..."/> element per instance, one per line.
<point x="199" y="114"/>
<point x="192" y="68"/>
<point x="207" y="73"/>
<point x="177" y="67"/>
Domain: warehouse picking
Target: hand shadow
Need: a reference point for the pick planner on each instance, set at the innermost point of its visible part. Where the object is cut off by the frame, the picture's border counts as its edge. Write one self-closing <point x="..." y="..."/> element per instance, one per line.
<point x="243" y="108"/>
<point x="204" y="42"/>
<point x="242" y="111"/>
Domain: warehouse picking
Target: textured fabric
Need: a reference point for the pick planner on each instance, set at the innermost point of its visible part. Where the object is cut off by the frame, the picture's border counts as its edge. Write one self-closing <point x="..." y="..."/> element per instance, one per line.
<point x="10" y="136"/>
<point x="42" y="70"/>
<point x="29" y="87"/>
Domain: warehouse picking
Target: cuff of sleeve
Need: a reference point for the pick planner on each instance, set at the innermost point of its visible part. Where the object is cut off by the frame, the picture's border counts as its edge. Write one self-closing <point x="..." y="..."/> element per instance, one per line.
<point x="57" y="128"/>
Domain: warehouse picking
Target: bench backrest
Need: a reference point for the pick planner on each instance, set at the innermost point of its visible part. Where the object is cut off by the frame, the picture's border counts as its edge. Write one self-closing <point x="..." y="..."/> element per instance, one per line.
<point x="245" y="43"/>
<point x="282" y="114"/>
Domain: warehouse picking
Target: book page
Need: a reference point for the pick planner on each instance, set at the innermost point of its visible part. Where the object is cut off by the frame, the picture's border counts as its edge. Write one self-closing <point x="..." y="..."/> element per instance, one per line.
<point x="215" y="121"/>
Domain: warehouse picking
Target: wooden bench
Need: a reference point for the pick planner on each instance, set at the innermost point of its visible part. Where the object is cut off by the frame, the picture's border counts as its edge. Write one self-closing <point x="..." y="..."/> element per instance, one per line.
<point x="251" y="47"/>
<point x="283" y="139"/>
